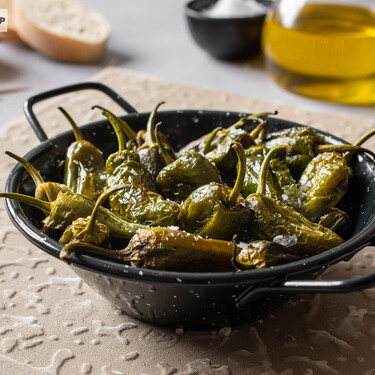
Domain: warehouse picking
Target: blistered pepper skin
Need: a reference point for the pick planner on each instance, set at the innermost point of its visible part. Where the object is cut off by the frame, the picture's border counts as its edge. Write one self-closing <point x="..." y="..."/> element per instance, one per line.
<point x="205" y="213"/>
<point x="77" y="232"/>
<point x="262" y="254"/>
<point x="70" y="206"/>
<point x="190" y="171"/>
<point x="273" y="222"/>
<point x="84" y="169"/>
<point x="139" y="202"/>
<point x="280" y="184"/>
<point x="323" y="183"/>
<point x="301" y="141"/>
<point x="224" y="157"/>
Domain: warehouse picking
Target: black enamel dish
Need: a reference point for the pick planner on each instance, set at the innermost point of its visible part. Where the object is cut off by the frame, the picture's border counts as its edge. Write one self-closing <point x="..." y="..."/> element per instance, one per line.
<point x="191" y="299"/>
<point x="224" y="38"/>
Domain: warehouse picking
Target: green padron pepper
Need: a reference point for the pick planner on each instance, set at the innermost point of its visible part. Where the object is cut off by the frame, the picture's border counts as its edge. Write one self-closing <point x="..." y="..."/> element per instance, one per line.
<point x="215" y="210"/>
<point x="129" y="133"/>
<point x="301" y="140"/>
<point x="137" y="140"/>
<point x="178" y="179"/>
<point x="336" y="220"/>
<point x="325" y="179"/>
<point x="210" y="141"/>
<point x="280" y="184"/>
<point x="84" y="165"/>
<point x="271" y="221"/>
<point x="254" y="157"/>
<point x="139" y="202"/>
<point x="88" y="229"/>
<point x="221" y="153"/>
<point x="46" y="191"/>
<point x="166" y="249"/>
<point x="295" y="131"/>
<point x="71" y="206"/>
<point x="262" y="254"/>
<point x="287" y="188"/>
<point x="149" y="153"/>
<point x="175" y="250"/>
<point x="323" y="183"/>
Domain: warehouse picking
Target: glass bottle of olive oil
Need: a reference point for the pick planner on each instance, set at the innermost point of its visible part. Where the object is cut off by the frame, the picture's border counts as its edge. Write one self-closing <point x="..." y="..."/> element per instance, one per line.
<point x="324" y="50"/>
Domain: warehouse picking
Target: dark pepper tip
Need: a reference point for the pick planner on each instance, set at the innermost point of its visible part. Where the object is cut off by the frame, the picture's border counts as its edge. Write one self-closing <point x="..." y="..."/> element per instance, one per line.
<point x="97" y="106"/>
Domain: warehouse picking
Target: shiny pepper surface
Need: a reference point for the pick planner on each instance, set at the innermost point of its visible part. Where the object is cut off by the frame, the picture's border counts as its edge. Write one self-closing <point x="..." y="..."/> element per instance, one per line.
<point x="323" y="183"/>
<point x="139" y="202"/>
<point x="84" y="165"/>
<point x="206" y="213"/>
<point x="84" y="169"/>
<point x="271" y="221"/>
<point x="190" y="171"/>
<point x="215" y="210"/>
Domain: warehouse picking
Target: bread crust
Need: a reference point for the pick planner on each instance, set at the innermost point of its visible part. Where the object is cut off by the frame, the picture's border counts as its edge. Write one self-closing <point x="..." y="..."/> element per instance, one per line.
<point x="11" y="36"/>
<point x="59" y="47"/>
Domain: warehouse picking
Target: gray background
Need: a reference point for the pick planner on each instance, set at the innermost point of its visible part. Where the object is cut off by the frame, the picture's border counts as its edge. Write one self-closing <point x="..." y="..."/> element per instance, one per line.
<point x="151" y="37"/>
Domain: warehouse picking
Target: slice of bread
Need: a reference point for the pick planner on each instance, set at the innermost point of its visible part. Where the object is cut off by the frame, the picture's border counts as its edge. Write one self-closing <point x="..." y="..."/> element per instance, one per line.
<point x="11" y="34"/>
<point x="62" y="29"/>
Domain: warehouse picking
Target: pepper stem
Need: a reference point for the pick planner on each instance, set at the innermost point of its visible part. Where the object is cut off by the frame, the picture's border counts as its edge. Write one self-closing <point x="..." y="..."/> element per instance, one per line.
<point x="35" y="175"/>
<point x="167" y="158"/>
<point x="129" y="132"/>
<point x="83" y="247"/>
<point x="150" y="140"/>
<point x="342" y="148"/>
<point x="31" y="201"/>
<point x="119" y="134"/>
<point x="209" y="140"/>
<point x="249" y="118"/>
<point x="261" y="189"/>
<point x="258" y="131"/>
<point x="76" y="130"/>
<point x="102" y="197"/>
<point x="365" y="137"/>
<point x="360" y="142"/>
<point x="238" y="148"/>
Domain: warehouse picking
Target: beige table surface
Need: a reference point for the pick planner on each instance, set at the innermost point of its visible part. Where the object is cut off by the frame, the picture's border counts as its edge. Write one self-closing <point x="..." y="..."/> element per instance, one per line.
<point x="52" y="323"/>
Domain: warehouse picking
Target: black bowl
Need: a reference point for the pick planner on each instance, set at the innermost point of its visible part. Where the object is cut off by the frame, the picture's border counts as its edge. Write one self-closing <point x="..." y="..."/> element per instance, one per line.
<point x="195" y="299"/>
<point x="224" y="38"/>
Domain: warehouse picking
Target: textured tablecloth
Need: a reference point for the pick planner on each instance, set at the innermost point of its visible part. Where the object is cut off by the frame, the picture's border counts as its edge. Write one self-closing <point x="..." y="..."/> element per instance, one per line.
<point x="52" y="323"/>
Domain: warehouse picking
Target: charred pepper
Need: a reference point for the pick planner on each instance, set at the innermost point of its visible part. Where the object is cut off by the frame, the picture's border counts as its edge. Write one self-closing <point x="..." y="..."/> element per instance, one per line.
<point x="174" y="250"/>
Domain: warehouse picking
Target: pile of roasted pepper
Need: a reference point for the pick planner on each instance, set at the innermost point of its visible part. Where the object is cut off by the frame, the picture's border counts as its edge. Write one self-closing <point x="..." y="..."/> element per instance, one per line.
<point x="231" y="200"/>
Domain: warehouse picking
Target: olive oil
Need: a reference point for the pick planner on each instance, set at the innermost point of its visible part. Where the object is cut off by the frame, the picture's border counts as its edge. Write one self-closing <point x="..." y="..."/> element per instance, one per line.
<point x="326" y="52"/>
